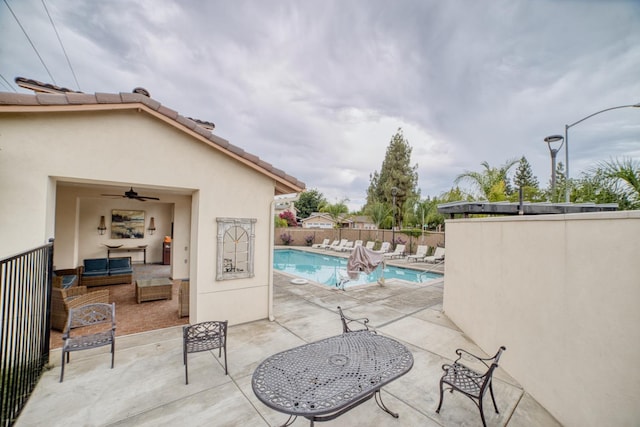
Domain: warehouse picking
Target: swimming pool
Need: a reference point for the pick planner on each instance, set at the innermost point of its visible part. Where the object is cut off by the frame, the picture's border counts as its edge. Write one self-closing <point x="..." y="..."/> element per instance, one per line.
<point x="330" y="270"/>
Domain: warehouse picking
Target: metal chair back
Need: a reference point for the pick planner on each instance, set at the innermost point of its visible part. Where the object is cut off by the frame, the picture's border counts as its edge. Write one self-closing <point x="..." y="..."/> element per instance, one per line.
<point x="83" y="332"/>
<point x="204" y="336"/>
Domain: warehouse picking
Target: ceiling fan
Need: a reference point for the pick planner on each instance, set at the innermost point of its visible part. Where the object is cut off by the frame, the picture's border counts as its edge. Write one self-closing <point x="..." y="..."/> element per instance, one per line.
<point x="132" y="195"/>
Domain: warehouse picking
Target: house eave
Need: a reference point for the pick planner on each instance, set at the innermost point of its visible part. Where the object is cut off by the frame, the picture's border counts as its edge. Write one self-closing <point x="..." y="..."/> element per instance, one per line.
<point x="52" y="103"/>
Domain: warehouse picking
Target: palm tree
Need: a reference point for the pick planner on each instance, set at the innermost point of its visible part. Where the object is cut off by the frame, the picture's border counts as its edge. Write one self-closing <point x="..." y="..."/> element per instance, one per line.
<point x="624" y="176"/>
<point x="492" y="183"/>
<point x="337" y="211"/>
<point x="379" y="213"/>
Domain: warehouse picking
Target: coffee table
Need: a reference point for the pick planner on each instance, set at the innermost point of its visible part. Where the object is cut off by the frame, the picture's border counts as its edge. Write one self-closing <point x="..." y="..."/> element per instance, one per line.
<point x="154" y="289"/>
<point x="324" y="379"/>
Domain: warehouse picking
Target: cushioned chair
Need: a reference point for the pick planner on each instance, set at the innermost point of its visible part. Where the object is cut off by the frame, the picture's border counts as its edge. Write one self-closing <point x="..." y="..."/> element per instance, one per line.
<point x="183" y="299"/>
<point x="471" y="383"/>
<point x="204" y="336"/>
<point x="346" y="321"/>
<point x="62" y="300"/>
<point x="66" y="278"/>
<point x="83" y="333"/>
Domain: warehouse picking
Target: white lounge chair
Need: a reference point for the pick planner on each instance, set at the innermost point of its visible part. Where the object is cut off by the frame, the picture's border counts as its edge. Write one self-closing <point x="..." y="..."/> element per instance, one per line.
<point x="437" y="256"/>
<point x="339" y="245"/>
<point x="384" y="248"/>
<point x="335" y="243"/>
<point x="370" y="245"/>
<point x="397" y="253"/>
<point x="421" y="252"/>
<point x="324" y="243"/>
<point x="347" y="247"/>
<point x="357" y="243"/>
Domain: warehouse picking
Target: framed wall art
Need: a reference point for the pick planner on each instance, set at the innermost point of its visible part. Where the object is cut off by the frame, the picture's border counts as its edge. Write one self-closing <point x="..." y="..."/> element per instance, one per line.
<point x="127" y="224"/>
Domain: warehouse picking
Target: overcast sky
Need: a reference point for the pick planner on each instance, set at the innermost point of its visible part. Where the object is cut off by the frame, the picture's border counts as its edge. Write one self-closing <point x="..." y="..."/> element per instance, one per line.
<point x="318" y="88"/>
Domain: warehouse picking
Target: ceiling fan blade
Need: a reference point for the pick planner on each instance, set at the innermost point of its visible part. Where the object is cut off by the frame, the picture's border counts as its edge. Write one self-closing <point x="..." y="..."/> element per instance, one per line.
<point x="131" y="194"/>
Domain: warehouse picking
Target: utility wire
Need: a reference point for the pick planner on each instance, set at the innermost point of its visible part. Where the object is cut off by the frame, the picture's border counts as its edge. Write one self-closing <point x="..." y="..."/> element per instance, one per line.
<point x="8" y="84"/>
<point x="32" y="45"/>
<point x="61" y="45"/>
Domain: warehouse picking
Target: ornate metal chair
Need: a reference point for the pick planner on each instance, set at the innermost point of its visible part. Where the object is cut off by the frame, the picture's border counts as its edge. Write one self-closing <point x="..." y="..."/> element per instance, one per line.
<point x="202" y="337"/>
<point x="469" y="382"/>
<point x="82" y="331"/>
<point x="347" y="320"/>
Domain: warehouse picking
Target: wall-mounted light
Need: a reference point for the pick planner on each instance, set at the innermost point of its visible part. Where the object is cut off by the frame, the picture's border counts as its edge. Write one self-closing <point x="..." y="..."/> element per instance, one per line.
<point x="152" y="225"/>
<point x="102" y="227"/>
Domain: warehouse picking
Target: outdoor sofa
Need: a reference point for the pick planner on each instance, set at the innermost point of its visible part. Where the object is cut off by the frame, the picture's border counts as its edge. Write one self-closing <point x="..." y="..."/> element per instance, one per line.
<point x="106" y="271"/>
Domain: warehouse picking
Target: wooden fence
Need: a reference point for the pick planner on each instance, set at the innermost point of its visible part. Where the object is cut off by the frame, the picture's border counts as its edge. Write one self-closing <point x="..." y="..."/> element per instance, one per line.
<point x="299" y="236"/>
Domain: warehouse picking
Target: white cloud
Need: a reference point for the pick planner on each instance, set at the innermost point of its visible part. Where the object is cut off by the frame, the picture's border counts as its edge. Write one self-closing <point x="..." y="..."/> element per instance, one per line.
<point x="319" y="88"/>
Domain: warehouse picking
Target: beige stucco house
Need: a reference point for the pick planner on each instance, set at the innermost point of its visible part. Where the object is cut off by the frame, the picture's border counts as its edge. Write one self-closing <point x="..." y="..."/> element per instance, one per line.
<point x="363" y="222"/>
<point x="61" y="152"/>
<point x="324" y="220"/>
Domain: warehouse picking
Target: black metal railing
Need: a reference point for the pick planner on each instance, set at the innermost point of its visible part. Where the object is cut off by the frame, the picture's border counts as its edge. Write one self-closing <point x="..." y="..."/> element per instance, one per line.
<point x="25" y="301"/>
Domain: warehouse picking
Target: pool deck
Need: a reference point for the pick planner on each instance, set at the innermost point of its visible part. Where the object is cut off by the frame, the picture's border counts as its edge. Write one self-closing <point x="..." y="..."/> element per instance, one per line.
<point x="146" y="387"/>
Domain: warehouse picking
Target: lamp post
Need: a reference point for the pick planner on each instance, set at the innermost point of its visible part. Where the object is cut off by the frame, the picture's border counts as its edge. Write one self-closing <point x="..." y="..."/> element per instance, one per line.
<point x="394" y="193"/>
<point x="566" y="142"/>
<point x="553" y="151"/>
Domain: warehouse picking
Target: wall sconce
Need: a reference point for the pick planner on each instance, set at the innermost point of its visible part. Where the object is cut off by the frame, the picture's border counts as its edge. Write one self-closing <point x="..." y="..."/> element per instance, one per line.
<point x="102" y="227"/>
<point x="152" y="225"/>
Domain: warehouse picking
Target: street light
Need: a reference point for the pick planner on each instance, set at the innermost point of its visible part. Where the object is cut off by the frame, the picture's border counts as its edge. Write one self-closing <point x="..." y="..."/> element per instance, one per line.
<point x="566" y="141"/>
<point x="394" y="192"/>
<point x="554" y="151"/>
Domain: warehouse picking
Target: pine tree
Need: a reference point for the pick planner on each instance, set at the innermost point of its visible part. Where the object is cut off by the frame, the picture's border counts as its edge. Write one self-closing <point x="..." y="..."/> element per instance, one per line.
<point x="396" y="172"/>
<point x="525" y="179"/>
<point x="524" y="175"/>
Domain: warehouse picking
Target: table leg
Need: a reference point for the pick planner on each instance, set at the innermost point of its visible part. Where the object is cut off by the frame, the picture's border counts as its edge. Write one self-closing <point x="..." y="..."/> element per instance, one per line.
<point x="383" y="406"/>
<point x="290" y="421"/>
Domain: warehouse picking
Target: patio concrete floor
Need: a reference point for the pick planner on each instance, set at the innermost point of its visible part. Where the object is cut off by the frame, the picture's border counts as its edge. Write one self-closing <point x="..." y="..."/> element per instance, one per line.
<point x="147" y="388"/>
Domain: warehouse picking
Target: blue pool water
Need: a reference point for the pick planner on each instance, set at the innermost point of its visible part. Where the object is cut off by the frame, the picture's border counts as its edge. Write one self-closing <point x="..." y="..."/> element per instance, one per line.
<point x="330" y="270"/>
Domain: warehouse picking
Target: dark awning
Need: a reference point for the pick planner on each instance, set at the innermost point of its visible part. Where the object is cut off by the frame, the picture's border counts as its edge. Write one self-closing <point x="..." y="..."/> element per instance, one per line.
<point x="526" y="208"/>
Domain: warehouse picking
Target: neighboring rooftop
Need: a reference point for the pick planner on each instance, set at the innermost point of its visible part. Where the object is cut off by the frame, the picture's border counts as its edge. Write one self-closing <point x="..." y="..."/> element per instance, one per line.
<point x="526" y="208"/>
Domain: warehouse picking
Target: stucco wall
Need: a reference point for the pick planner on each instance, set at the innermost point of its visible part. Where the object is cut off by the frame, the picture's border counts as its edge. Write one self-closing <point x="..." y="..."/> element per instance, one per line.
<point x="561" y="292"/>
<point x="132" y="148"/>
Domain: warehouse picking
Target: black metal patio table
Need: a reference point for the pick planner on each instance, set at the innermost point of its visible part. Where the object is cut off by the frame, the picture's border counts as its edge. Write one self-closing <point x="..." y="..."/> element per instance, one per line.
<point x="324" y="379"/>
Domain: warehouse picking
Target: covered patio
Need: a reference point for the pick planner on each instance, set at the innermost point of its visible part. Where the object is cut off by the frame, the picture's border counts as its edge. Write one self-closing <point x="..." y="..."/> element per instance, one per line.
<point x="147" y="386"/>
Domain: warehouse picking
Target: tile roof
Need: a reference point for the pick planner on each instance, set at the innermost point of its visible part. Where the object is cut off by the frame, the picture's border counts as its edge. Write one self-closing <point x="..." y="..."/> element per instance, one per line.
<point x="37" y="86"/>
<point x="50" y="96"/>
